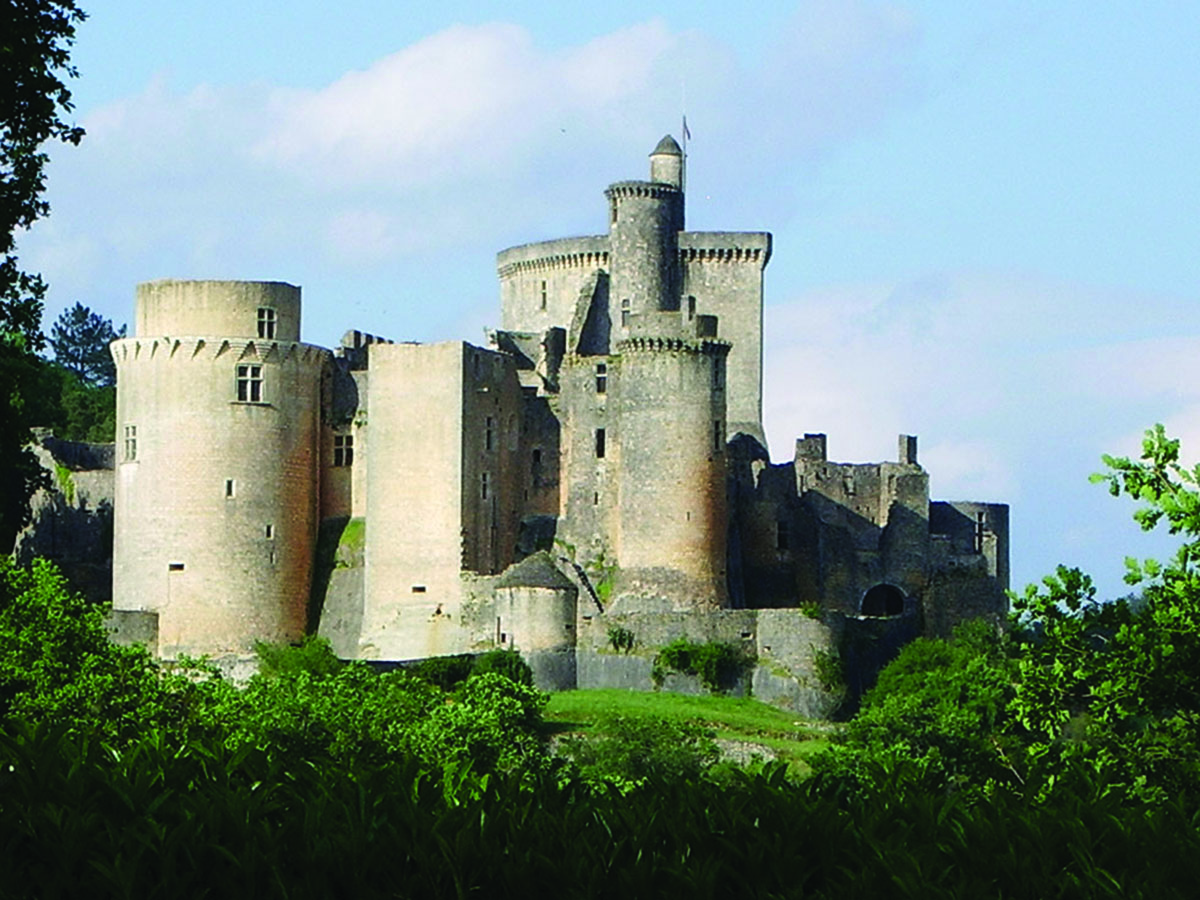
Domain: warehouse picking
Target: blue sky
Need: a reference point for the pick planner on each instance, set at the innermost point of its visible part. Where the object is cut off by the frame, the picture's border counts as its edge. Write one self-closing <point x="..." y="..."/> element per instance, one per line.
<point x="984" y="215"/>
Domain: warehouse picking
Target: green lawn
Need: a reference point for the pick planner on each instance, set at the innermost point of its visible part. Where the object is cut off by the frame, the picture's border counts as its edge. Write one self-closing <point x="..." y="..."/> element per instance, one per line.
<point x="792" y="738"/>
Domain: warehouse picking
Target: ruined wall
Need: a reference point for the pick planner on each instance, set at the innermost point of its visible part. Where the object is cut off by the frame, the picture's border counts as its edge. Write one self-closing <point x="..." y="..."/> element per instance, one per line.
<point x="217" y="471"/>
<point x="72" y="521"/>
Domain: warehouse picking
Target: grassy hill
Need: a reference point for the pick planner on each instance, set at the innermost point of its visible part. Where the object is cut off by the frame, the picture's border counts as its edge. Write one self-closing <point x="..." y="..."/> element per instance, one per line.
<point x="743" y="728"/>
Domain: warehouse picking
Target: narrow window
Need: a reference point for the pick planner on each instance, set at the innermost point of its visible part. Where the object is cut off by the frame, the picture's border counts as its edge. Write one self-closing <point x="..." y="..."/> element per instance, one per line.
<point x="980" y="528"/>
<point x="250" y="383"/>
<point x="484" y="485"/>
<point x="343" y="449"/>
<point x="130" y="443"/>
<point x="271" y="557"/>
<point x="718" y="436"/>
<point x="266" y="323"/>
<point x="418" y="588"/>
<point x="230" y="488"/>
<point x="601" y="378"/>
<point x="489" y="434"/>
<point x="691" y="308"/>
<point x="174" y="567"/>
<point x="270" y="532"/>
<point x="612" y="212"/>
<point x="599" y="443"/>
<point x="718" y="382"/>
<point x="543" y="295"/>
<point x="535" y="467"/>
<point x="848" y="484"/>
<point x="783" y="535"/>
<point x="624" y="313"/>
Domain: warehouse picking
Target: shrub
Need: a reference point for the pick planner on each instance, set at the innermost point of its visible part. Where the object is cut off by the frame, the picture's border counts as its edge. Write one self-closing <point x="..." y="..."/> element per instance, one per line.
<point x="312" y="654"/>
<point x="718" y="665"/>
<point x="504" y="662"/>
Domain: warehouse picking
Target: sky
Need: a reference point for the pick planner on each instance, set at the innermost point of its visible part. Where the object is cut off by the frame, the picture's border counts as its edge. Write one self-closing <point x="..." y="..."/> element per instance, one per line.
<point x="984" y="215"/>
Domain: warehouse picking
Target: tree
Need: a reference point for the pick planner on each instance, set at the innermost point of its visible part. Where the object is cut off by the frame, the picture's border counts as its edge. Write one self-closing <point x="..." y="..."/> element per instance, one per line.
<point x="35" y="38"/>
<point x="80" y="340"/>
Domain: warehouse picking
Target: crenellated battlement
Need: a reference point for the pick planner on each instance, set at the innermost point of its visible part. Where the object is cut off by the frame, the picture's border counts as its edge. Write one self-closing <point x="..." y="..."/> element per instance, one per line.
<point x="672" y="345"/>
<point x="651" y="190"/>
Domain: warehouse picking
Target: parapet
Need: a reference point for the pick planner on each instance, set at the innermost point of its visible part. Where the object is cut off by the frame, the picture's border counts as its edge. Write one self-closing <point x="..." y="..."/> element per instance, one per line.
<point x="267" y="310"/>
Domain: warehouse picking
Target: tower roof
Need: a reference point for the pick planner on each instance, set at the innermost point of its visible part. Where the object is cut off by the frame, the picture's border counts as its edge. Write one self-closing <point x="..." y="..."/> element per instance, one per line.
<point x="536" y="571"/>
<point x="668" y="147"/>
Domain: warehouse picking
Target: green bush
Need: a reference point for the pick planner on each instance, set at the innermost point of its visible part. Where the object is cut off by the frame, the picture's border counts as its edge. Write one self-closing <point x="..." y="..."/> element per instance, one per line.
<point x="718" y="665"/>
<point x="628" y="750"/>
<point x="311" y="654"/>
<point x="447" y="672"/>
<point x="504" y="662"/>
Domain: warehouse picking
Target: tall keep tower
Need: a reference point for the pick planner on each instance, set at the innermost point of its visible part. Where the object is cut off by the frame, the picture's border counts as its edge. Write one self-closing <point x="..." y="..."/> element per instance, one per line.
<point x="218" y="412"/>
<point x="659" y="457"/>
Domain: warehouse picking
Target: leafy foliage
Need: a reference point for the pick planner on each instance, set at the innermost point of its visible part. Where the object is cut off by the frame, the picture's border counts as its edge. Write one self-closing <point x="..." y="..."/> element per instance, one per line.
<point x="629" y="750"/>
<point x="80" y="340"/>
<point x="1111" y="687"/>
<point x="313" y="655"/>
<point x="34" y="57"/>
<point x="717" y="664"/>
<point x="620" y="638"/>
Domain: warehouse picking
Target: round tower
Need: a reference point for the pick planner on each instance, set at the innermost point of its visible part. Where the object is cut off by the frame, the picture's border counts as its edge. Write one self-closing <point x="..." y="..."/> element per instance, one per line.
<point x="671" y="474"/>
<point x="666" y="164"/>
<point x="645" y="218"/>
<point x="218" y="409"/>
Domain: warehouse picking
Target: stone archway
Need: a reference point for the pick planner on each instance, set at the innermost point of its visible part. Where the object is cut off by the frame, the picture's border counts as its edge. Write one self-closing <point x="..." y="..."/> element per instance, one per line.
<point x="882" y="601"/>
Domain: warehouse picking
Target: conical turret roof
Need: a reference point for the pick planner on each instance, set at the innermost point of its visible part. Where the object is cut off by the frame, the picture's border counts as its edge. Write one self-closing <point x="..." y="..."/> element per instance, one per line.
<point x="668" y="147"/>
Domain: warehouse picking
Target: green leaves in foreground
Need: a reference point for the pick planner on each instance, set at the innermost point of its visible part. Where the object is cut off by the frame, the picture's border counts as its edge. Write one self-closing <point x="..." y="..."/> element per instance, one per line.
<point x="79" y="818"/>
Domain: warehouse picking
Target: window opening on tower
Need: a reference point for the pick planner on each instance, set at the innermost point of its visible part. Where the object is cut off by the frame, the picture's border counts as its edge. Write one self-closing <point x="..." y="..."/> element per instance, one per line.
<point x="266" y="323"/>
<point x="601" y="378"/>
<point x="250" y="383"/>
<point x="343" y="449"/>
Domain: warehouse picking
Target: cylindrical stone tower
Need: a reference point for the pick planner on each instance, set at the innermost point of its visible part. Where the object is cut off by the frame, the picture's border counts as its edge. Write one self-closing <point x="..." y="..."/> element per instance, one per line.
<point x="218" y="410"/>
<point x="645" y="276"/>
<point x="671" y="480"/>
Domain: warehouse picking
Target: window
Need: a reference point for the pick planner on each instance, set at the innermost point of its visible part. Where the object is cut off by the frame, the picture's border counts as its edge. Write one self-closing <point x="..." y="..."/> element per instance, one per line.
<point x="601" y="378"/>
<point x="980" y="530"/>
<point x="130" y="443"/>
<point x="783" y="535"/>
<point x="535" y="467"/>
<point x="718" y="436"/>
<point x="250" y="383"/>
<point x="484" y="485"/>
<point x="418" y="588"/>
<point x="600" y="443"/>
<point x="266" y="323"/>
<point x="270" y="531"/>
<point x="718" y="381"/>
<point x="343" y="449"/>
<point x="624" y="313"/>
<point x="543" y="295"/>
<point x="230" y="488"/>
<point x="489" y="434"/>
<point x="174" y="567"/>
<point x="691" y="308"/>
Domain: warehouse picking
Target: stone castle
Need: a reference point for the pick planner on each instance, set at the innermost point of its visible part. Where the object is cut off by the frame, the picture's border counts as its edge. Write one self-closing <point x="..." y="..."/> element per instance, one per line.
<point x="599" y="468"/>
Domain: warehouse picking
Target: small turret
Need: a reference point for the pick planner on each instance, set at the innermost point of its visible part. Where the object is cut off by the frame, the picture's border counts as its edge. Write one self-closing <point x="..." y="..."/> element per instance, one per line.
<point x="666" y="163"/>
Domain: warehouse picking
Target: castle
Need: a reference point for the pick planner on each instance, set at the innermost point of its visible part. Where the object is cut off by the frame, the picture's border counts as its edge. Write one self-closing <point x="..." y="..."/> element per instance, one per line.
<point x="598" y="469"/>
